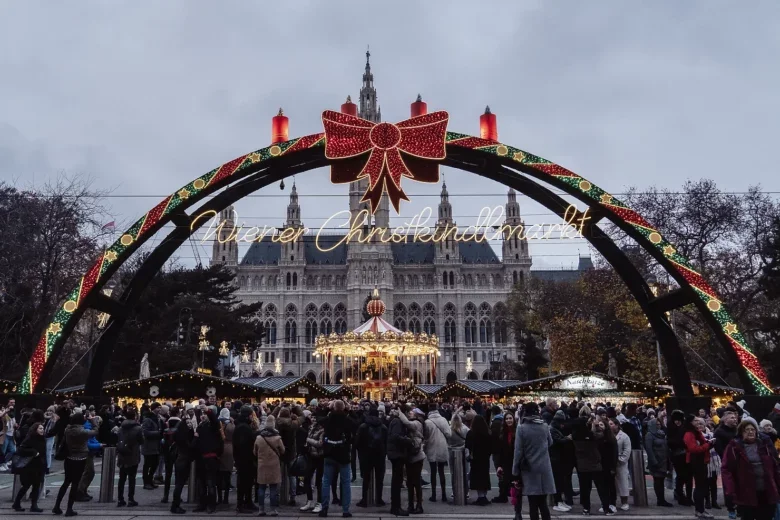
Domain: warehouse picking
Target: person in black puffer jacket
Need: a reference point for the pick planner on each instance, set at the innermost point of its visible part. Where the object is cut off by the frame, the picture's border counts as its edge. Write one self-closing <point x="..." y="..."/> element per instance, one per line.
<point x="563" y="461"/>
<point x="243" y="455"/>
<point x="588" y="435"/>
<point x="209" y="443"/>
<point x="183" y="445"/>
<point x="371" y="442"/>
<point x="399" y="444"/>
<point x="683" y="485"/>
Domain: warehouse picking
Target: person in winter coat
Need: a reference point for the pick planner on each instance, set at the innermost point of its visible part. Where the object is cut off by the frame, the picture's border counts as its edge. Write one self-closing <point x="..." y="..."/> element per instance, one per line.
<point x="33" y="446"/>
<point x="399" y="445"/>
<point x="623" y="457"/>
<point x="226" y="459"/>
<point x="49" y="433"/>
<point x="588" y="433"/>
<point x="563" y="461"/>
<point x="437" y="433"/>
<point x="657" y="459"/>
<point x="76" y="438"/>
<point x="683" y="484"/>
<point x="151" y="446"/>
<point x="505" y="451"/>
<point x="724" y="434"/>
<point x="314" y="464"/>
<point x="698" y="456"/>
<point x="128" y="457"/>
<point x="532" y="461"/>
<point x="457" y="440"/>
<point x="751" y="474"/>
<point x="287" y="425"/>
<point x="209" y="445"/>
<point x="478" y="444"/>
<point x="337" y="450"/>
<point x="371" y="443"/>
<point x="767" y="429"/>
<point x="412" y="420"/>
<point x="168" y="451"/>
<point x="244" y="437"/>
<point x="183" y="447"/>
<point x="90" y="424"/>
<point x="269" y="450"/>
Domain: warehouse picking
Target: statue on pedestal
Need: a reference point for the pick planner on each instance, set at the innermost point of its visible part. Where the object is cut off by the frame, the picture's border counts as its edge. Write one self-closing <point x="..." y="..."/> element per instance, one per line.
<point x="612" y="368"/>
<point x="145" y="368"/>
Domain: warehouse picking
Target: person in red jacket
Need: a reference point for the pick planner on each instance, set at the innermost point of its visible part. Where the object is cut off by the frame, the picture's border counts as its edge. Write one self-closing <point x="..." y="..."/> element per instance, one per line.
<point x="697" y="455"/>
<point x="751" y="473"/>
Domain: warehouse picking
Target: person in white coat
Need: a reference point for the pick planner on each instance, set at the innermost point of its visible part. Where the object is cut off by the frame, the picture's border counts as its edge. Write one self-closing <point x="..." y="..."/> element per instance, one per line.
<point x="623" y="456"/>
<point x="435" y="445"/>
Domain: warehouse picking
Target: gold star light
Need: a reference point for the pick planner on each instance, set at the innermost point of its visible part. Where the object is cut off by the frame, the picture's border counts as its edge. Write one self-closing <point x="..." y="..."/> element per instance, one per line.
<point x="183" y="193"/>
<point x="518" y="156"/>
<point x="730" y="328"/>
<point x="606" y="198"/>
<point x="54" y="328"/>
<point x="255" y="157"/>
<point x="110" y="256"/>
<point x="669" y="250"/>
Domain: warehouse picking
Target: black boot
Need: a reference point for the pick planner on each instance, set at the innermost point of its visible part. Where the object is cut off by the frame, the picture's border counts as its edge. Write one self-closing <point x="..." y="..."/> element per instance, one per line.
<point x="18" y="502"/>
<point x="34" y="506"/>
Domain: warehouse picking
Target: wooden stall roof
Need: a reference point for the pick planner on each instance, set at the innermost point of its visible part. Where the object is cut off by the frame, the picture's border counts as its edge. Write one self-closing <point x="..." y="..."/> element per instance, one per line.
<point x="340" y="391"/>
<point x="286" y="386"/>
<point x="707" y="388"/>
<point x="174" y="385"/>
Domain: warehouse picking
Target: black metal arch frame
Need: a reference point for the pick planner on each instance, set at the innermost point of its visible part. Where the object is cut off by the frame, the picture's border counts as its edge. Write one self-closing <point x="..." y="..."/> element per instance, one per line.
<point x="501" y="169"/>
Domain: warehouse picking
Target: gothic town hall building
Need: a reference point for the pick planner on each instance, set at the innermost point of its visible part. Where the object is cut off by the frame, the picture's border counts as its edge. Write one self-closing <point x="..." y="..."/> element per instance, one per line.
<point x="456" y="290"/>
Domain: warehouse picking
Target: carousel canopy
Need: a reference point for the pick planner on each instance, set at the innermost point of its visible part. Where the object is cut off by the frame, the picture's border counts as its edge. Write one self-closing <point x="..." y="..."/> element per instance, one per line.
<point x="376" y="338"/>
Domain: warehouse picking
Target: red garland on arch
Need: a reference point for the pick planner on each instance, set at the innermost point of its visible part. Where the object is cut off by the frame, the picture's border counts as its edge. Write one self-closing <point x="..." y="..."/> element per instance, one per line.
<point x="385" y="152"/>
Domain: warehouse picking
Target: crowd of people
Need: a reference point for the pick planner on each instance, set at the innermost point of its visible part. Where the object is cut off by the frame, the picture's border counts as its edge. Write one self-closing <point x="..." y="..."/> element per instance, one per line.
<point x="533" y="450"/>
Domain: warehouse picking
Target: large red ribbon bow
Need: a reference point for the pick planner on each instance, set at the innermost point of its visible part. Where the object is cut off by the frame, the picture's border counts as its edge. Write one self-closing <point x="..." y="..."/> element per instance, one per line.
<point x="411" y="148"/>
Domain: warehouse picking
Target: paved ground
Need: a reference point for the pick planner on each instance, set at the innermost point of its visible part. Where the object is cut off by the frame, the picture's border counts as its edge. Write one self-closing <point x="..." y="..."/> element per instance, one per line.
<point x="150" y="505"/>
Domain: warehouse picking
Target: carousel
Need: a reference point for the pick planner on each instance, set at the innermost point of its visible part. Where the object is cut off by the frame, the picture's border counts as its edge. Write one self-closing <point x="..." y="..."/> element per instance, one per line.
<point x="377" y="360"/>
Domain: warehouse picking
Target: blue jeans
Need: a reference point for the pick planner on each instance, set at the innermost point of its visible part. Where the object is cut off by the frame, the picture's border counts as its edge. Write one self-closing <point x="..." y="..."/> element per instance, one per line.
<point x="9" y="448"/>
<point x="49" y="451"/>
<point x="273" y="492"/>
<point x="329" y="475"/>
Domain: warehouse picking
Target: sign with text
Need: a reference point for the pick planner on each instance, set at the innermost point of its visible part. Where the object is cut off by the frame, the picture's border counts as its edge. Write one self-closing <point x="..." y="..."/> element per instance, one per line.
<point x="586" y="383"/>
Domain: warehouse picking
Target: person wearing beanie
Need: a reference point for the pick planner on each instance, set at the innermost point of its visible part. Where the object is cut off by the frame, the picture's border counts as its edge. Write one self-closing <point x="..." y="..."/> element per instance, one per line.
<point x="774" y="417"/>
<point x="371" y="442"/>
<point x="683" y="486"/>
<point x="563" y="460"/>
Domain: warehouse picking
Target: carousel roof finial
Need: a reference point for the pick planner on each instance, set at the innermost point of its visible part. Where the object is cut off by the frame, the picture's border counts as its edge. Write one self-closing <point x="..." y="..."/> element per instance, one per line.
<point x="376" y="307"/>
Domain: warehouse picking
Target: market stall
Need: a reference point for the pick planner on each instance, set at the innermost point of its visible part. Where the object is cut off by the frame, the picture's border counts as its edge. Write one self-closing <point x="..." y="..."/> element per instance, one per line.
<point x="285" y="387"/>
<point x="588" y="385"/>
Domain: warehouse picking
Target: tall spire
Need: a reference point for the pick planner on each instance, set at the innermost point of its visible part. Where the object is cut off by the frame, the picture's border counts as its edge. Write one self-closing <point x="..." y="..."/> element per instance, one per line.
<point x="368" y="106"/>
<point x="293" y="209"/>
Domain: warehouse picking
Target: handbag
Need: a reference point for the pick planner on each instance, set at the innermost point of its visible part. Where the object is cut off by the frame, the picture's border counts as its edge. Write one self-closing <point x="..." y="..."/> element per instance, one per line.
<point x="298" y="466"/>
<point x="19" y="462"/>
<point x="62" y="451"/>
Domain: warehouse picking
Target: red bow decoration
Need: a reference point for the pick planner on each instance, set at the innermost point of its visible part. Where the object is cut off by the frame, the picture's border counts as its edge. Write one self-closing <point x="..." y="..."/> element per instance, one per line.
<point x="382" y="151"/>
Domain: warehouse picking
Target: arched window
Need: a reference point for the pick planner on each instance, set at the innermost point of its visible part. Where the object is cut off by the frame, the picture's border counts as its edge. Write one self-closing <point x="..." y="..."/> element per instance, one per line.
<point x="311" y="331"/>
<point x="485" y="331"/>
<point x="429" y="326"/>
<point x="452" y="279"/>
<point x="291" y="332"/>
<point x="450" y="332"/>
<point x="499" y="321"/>
<point x="310" y="282"/>
<point x="270" y="332"/>
<point x="295" y="280"/>
<point x="414" y="326"/>
<point x="514" y="277"/>
<point x="289" y="280"/>
<point x="414" y="310"/>
<point x="326" y="327"/>
<point x="444" y="279"/>
<point x="470" y="331"/>
<point x="399" y="311"/>
<point x="341" y="326"/>
<point x="400" y="324"/>
<point x="325" y="309"/>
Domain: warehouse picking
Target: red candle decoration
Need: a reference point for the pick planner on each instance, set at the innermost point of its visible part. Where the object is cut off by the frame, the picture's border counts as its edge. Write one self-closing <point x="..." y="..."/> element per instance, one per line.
<point x="487" y="125"/>
<point x="349" y="107"/>
<point x="280" y="128"/>
<point x="419" y="107"/>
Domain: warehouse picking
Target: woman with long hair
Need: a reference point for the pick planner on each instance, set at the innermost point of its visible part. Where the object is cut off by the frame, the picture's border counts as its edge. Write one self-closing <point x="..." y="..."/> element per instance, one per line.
<point x="478" y="444"/>
<point x="751" y="473"/>
<point x="697" y="453"/>
<point x="315" y="460"/>
<point x="457" y="440"/>
<point x="34" y="447"/>
<point x="209" y="445"/>
<point x="588" y="433"/>
<point x="414" y="461"/>
<point x="505" y="454"/>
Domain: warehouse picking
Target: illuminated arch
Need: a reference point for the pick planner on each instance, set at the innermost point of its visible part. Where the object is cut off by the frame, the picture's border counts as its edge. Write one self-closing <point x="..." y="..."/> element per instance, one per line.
<point x="491" y="159"/>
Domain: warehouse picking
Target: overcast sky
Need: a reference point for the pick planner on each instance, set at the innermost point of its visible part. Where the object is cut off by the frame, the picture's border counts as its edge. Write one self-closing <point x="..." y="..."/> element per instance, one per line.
<point x="145" y="96"/>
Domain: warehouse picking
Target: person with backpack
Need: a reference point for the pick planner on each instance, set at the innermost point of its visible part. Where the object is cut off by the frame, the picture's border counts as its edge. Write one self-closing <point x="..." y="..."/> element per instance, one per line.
<point x="415" y="458"/>
<point x="337" y="450"/>
<point x="151" y="446"/>
<point x="128" y="457"/>
<point x="371" y="442"/>
<point x="437" y="433"/>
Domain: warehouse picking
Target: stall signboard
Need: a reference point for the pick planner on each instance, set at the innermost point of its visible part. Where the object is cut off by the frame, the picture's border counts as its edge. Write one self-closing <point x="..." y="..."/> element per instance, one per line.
<point x="303" y="390"/>
<point x="586" y="382"/>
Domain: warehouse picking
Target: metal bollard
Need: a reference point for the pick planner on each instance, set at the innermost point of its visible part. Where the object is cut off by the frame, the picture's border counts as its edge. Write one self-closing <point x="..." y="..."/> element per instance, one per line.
<point x="370" y="498"/>
<point x="284" y="487"/>
<point x="192" y="485"/>
<point x="637" y="469"/>
<point x="458" y="469"/>
<point x="107" y="472"/>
